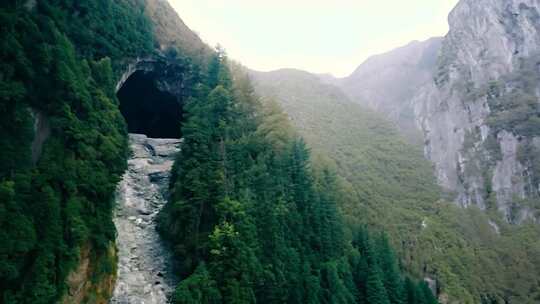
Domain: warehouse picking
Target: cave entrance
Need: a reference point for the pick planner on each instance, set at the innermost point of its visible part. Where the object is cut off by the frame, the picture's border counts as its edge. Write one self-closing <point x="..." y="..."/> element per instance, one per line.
<point x="149" y="110"/>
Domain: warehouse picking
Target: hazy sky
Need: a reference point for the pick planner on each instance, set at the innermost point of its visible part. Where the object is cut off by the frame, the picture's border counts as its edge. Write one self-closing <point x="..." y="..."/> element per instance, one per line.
<point x="331" y="36"/>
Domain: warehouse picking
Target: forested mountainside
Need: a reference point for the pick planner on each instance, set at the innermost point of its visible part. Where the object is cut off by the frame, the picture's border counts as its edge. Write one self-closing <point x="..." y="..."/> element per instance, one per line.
<point x="353" y="215"/>
<point x="388" y="82"/>
<point x="390" y="186"/>
<point x="251" y="218"/>
<point x="170" y="32"/>
<point x="478" y="112"/>
<point x="63" y="141"/>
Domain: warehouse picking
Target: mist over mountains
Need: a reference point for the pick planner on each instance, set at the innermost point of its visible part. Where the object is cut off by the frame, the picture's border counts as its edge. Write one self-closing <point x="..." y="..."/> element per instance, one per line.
<point x="414" y="180"/>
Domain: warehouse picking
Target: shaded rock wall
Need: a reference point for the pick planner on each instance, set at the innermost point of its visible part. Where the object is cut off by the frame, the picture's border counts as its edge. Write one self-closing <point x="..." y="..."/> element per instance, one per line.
<point x="388" y="82"/>
<point x="86" y="284"/>
<point x="485" y="50"/>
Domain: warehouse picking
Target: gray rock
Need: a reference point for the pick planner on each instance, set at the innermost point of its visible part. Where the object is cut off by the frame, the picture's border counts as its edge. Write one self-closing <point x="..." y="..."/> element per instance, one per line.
<point x="388" y="82"/>
<point x="442" y="87"/>
<point x="42" y="131"/>
<point x="143" y="258"/>
<point x="488" y="40"/>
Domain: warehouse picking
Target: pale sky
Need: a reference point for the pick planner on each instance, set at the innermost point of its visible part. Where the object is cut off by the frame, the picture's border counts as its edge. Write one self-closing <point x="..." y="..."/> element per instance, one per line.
<point x="318" y="36"/>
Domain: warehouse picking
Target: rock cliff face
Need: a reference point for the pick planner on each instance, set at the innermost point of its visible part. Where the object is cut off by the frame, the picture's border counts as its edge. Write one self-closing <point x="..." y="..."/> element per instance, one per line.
<point x="86" y="284"/>
<point x="475" y="96"/>
<point x="480" y="113"/>
<point x="387" y="83"/>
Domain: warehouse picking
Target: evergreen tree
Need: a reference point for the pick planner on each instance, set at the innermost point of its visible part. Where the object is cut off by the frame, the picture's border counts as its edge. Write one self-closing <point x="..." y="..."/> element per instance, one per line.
<point x="418" y="293"/>
<point x="410" y="292"/>
<point x="426" y="293"/>
<point x="198" y="288"/>
<point x="391" y="276"/>
<point x="375" y="291"/>
<point x="60" y="191"/>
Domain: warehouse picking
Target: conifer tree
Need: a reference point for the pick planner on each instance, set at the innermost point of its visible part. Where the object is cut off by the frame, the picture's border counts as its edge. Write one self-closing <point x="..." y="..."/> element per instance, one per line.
<point x="391" y="277"/>
<point x="427" y="294"/>
<point x="197" y="288"/>
<point x="375" y="291"/>
<point x="410" y="292"/>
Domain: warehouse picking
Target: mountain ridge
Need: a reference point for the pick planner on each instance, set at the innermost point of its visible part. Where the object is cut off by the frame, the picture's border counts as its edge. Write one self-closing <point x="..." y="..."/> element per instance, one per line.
<point x="387" y="82"/>
<point x="356" y="140"/>
<point x="480" y="109"/>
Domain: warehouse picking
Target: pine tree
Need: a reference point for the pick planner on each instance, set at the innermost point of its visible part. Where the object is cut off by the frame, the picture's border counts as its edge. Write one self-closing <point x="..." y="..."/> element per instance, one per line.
<point x="391" y="277"/>
<point x="410" y="292"/>
<point x="427" y="294"/>
<point x="198" y="288"/>
<point x="369" y="277"/>
<point x="359" y="270"/>
<point x="375" y="291"/>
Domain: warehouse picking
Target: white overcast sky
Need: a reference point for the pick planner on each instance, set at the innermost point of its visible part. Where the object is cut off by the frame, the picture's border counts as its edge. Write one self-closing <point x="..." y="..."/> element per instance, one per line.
<point x="319" y="36"/>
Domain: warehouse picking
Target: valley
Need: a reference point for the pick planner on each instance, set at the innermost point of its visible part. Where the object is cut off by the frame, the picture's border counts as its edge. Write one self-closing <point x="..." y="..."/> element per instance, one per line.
<point x="145" y="267"/>
<point x="140" y="165"/>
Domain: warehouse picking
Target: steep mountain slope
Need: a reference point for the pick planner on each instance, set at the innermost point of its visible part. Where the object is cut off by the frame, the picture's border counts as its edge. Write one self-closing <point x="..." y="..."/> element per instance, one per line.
<point x="171" y="32"/>
<point x="474" y="95"/>
<point x="249" y="220"/>
<point x="63" y="145"/>
<point x="334" y="125"/>
<point x="63" y="138"/>
<point x="388" y="82"/>
<point x="481" y="115"/>
<point x="390" y="186"/>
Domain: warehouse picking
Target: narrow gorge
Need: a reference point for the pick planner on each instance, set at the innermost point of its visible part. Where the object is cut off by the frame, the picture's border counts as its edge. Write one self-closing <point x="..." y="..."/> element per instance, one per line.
<point x="145" y="267"/>
<point x="138" y="165"/>
<point x="150" y="95"/>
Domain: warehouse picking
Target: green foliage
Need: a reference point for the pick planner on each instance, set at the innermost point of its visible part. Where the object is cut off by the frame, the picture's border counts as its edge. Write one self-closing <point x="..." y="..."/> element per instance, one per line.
<point x="420" y="294"/>
<point x="387" y="184"/>
<point x="375" y="292"/>
<point x="377" y="276"/>
<point x="98" y="28"/>
<point x="198" y="288"/>
<point x="57" y="196"/>
<point x="529" y="155"/>
<point x="513" y="101"/>
<point x="250" y="220"/>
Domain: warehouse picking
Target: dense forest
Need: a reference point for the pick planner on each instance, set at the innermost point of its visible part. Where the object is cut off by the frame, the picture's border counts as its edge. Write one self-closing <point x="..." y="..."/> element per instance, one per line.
<point x="251" y="217"/>
<point x="58" y="61"/>
<point x="252" y="220"/>
<point x="475" y="257"/>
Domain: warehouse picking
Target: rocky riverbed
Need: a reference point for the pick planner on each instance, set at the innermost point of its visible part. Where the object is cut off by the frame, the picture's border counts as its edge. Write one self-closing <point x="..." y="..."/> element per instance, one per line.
<point x="145" y="273"/>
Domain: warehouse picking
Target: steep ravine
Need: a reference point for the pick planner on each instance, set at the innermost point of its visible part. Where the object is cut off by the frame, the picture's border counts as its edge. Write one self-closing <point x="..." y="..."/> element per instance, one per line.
<point x="145" y="264"/>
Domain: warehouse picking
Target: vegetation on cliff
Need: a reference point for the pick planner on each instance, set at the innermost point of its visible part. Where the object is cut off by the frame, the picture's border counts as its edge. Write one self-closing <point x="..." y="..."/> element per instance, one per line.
<point x="388" y="185"/>
<point x="252" y="216"/>
<point x="251" y="219"/>
<point x="58" y="61"/>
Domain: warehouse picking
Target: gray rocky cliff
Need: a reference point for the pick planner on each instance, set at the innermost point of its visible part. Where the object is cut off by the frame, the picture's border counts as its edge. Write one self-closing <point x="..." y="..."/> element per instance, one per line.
<point x="387" y="82"/>
<point x="480" y="113"/>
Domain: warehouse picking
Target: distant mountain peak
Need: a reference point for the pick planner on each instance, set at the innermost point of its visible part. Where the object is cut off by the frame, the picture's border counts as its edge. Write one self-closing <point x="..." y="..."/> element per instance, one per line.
<point x="387" y="82"/>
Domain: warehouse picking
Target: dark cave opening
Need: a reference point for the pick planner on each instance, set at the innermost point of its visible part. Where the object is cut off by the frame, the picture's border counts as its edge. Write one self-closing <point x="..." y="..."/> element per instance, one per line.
<point x="148" y="110"/>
